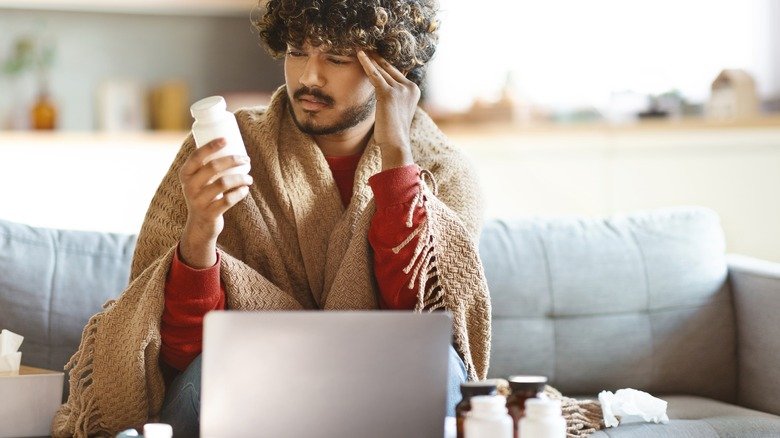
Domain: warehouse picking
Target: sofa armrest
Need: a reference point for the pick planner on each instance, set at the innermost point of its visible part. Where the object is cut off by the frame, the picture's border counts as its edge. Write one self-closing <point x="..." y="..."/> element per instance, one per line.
<point x="756" y="287"/>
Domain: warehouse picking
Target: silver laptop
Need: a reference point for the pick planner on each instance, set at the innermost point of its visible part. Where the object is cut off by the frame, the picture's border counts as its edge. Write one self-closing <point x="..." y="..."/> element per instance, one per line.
<point x="324" y="374"/>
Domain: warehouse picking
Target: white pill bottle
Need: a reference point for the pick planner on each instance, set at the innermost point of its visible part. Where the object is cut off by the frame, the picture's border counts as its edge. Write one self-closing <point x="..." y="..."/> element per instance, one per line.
<point x="488" y="418"/>
<point x="158" y="430"/>
<point x="213" y="120"/>
<point x="542" y="419"/>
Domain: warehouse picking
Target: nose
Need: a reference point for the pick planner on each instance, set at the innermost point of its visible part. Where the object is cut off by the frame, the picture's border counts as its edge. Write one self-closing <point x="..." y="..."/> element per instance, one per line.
<point x="311" y="76"/>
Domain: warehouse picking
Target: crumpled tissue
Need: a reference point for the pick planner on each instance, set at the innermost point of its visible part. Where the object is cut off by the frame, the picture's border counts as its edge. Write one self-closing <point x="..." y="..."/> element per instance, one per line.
<point x="631" y="406"/>
<point x="10" y="356"/>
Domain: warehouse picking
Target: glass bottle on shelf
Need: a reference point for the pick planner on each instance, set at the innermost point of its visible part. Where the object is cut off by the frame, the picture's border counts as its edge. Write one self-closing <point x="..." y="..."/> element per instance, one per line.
<point x="44" y="113"/>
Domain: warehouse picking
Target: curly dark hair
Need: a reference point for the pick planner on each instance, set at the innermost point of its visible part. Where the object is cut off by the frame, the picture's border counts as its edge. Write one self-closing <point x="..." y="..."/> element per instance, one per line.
<point x="402" y="31"/>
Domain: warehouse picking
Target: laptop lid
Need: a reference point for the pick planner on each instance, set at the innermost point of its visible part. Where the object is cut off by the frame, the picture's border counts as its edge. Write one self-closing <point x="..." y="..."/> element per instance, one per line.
<point x="324" y="374"/>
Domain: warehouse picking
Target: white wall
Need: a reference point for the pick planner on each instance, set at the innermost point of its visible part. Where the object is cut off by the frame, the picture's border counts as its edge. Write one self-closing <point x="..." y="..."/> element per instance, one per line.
<point x="773" y="17"/>
<point x="98" y="182"/>
<point x="734" y="171"/>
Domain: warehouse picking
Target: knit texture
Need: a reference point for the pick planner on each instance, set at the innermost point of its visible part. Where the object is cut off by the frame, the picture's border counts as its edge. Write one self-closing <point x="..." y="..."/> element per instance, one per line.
<point x="289" y="245"/>
<point x="583" y="417"/>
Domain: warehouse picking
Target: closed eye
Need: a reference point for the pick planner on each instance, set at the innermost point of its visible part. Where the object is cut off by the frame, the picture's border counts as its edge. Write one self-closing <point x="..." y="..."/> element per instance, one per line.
<point x="295" y="53"/>
<point x="339" y="61"/>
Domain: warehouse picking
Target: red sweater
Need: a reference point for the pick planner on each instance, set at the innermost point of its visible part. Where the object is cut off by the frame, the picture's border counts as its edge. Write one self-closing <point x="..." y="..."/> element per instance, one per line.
<point x="191" y="293"/>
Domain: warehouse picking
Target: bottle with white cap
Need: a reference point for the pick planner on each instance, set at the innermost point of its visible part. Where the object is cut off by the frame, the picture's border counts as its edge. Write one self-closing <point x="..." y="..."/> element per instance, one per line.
<point x="213" y="120"/>
<point x="158" y="430"/>
<point x="488" y="418"/>
<point x="542" y="419"/>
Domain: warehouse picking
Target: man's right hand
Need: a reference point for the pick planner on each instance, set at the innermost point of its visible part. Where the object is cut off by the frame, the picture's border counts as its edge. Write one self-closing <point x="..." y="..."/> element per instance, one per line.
<point x="202" y="186"/>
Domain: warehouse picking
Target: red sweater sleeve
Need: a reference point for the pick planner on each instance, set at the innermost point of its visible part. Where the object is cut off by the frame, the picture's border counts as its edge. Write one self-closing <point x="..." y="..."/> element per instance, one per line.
<point x="394" y="191"/>
<point x="189" y="294"/>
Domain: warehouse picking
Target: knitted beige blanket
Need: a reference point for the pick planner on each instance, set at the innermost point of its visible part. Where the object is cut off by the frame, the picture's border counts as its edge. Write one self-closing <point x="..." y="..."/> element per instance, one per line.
<point x="289" y="245"/>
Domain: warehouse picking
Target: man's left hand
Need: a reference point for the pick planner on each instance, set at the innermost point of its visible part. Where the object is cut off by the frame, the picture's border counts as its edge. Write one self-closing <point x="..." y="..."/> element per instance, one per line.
<point x="396" y="102"/>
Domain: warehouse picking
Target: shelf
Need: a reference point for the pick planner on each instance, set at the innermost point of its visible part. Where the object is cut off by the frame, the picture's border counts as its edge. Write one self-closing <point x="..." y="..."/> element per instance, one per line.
<point x="451" y="128"/>
<point x="226" y="8"/>
<point x="465" y="127"/>
<point x="91" y="137"/>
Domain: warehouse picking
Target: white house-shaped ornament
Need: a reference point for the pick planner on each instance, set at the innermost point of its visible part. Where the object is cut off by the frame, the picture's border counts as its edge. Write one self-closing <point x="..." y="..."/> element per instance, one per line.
<point x="733" y="96"/>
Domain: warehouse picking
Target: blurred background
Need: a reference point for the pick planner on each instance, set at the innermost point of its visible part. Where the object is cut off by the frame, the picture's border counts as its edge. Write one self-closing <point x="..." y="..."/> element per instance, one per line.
<point x="566" y="107"/>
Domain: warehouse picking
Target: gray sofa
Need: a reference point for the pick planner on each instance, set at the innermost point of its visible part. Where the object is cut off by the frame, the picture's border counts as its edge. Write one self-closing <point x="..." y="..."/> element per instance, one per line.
<point x="649" y="301"/>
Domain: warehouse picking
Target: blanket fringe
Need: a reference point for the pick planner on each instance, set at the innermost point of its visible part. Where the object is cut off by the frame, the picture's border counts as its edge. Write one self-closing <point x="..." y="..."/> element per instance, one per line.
<point x="81" y="400"/>
<point x="583" y="417"/>
<point x="430" y="296"/>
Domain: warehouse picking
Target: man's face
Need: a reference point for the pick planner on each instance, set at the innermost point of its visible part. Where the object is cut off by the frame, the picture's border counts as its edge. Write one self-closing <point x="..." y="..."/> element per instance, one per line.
<point x="329" y="93"/>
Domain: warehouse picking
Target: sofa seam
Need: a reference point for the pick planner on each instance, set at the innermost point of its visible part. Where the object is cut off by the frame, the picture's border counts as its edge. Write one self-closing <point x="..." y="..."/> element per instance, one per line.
<point x="731" y="296"/>
<point x="646" y="312"/>
<point x="51" y="299"/>
<point x="548" y="273"/>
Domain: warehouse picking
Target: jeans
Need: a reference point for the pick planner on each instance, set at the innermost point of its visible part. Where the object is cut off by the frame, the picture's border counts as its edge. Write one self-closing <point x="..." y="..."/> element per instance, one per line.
<point x="181" y="408"/>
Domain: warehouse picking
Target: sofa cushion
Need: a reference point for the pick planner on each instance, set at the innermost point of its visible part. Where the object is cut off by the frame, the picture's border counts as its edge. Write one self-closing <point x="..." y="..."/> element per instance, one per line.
<point x="636" y="301"/>
<point x="701" y="417"/>
<point x="52" y="281"/>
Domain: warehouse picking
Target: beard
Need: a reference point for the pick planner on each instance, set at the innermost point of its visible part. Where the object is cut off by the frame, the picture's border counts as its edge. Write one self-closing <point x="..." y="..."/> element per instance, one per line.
<point x="348" y="119"/>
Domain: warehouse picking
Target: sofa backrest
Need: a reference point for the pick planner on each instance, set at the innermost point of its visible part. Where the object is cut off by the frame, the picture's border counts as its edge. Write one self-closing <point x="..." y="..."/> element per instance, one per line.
<point x="635" y="301"/>
<point x="52" y="281"/>
<point x="639" y="301"/>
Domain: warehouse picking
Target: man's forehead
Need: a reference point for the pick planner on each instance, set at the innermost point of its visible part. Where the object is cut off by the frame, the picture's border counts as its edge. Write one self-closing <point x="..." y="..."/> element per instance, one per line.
<point x="331" y="50"/>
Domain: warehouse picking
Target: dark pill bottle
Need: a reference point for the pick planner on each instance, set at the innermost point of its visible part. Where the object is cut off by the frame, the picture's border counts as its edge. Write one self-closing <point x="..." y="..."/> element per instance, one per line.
<point x="468" y="390"/>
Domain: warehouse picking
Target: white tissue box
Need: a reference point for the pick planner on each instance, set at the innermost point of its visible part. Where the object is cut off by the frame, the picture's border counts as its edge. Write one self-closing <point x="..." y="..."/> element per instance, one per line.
<point x="29" y="401"/>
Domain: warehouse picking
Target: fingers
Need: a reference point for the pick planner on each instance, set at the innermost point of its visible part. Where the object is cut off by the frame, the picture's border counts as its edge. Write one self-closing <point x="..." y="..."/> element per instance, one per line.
<point x="228" y="200"/>
<point x="391" y="70"/>
<point x="372" y="71"/>
<point x="197" y="158"/>
<point x="209" y="171"/>
<point x="210" y="188"/>
<point x="221" y="186"/>
<point x="385" y="75"/>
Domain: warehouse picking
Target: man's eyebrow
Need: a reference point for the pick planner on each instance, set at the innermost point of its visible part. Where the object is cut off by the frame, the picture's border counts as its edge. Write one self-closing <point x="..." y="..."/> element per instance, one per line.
<point x="330" y="52"/>
<point x="344" y="52"/>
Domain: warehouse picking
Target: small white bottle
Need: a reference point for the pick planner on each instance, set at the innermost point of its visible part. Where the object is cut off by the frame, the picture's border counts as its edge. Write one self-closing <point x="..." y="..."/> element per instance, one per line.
<point x="542" y="419"/>
<point x="158" y="430"/>
<point x="213" y="120"/>
<point x="488" y="418"/>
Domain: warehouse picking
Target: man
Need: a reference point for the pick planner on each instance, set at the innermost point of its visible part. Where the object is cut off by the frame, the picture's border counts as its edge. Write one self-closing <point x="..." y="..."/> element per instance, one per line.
<point x="355" y="200"/>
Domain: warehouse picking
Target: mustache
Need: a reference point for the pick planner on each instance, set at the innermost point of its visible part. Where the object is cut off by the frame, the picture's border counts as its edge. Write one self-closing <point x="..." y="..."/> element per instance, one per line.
<point x="313" y="92"/>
